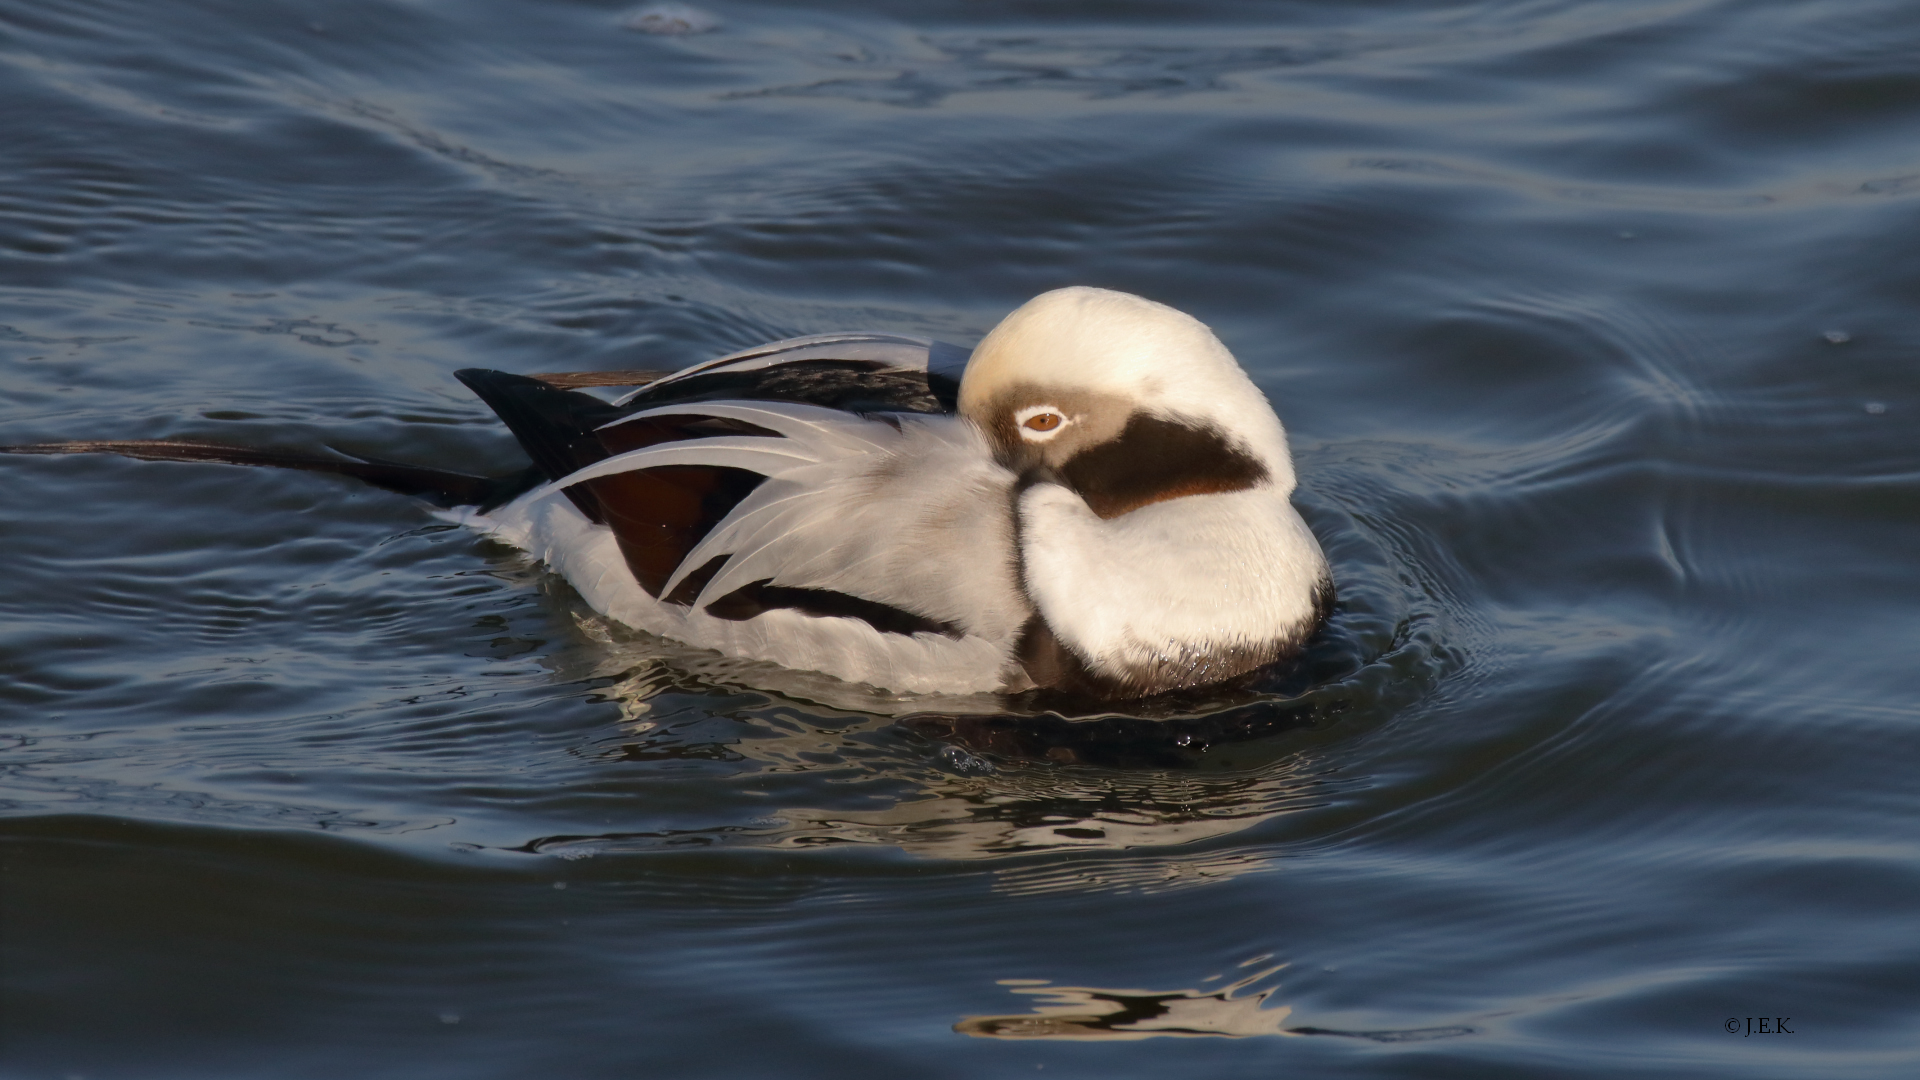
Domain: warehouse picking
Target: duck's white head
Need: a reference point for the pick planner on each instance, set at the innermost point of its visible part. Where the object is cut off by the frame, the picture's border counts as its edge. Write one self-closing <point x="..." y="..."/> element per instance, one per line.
<point x="1155" y="537"/>
<point x="1125" y="400"/>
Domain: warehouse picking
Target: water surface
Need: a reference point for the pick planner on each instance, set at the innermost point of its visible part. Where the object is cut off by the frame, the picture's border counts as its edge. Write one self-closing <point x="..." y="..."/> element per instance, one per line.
<point x="1593" y="324"/>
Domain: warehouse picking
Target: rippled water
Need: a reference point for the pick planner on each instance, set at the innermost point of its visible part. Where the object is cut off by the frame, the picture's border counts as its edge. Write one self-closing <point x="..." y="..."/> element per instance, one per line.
<point x="1594" y="325"/>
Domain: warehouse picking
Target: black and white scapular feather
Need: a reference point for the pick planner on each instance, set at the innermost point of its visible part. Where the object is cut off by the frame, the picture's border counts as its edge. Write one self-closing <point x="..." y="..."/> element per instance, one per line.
<point x="1096" y="500"/>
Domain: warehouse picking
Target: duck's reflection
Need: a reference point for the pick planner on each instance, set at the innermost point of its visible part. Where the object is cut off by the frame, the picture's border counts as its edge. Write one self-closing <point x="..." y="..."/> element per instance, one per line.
<point x="1235" y="1011"/>
<point x="1005" y="813"/>
<point x="953" y="784"/>
<point x="1086" y="1012"/>
<point x="864" y="780"/>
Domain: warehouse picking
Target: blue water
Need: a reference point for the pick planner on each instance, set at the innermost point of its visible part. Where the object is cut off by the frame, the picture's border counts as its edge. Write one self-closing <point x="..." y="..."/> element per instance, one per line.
<point x="1594" y="328"/>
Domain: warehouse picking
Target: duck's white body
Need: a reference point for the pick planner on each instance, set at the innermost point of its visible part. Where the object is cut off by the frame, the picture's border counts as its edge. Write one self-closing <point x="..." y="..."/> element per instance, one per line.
<point x="1102" y="506"/>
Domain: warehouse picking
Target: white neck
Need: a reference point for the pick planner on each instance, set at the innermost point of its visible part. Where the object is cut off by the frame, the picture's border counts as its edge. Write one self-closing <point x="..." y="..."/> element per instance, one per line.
<point x="1181" y="585"/>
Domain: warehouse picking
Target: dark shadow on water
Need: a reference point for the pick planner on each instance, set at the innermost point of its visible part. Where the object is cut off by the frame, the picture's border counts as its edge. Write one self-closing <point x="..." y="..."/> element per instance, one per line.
<point x="1168" y="731"/>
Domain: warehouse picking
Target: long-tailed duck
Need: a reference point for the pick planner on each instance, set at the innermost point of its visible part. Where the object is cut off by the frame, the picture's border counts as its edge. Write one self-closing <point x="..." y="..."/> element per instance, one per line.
<point x="1095" y="501"/>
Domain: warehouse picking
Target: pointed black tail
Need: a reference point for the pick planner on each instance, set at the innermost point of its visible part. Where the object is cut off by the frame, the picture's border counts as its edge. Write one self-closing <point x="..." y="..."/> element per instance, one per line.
<point x="554" y="426"/>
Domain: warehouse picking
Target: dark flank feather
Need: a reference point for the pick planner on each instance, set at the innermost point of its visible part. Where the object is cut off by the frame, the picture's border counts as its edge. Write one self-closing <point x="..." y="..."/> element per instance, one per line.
<point x="760" y="596"/>
<point x="438" y="486"/>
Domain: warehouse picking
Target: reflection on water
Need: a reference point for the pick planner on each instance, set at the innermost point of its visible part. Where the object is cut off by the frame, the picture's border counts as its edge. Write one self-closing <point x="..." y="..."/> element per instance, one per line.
<point x="1086" y="1012"/>
<point x="1592" y="325"/>
<point x="946" y="801"/>
<point x="989" y="778"/>
<point x="955" y="786"/>
<point x="1235" y="1011"/>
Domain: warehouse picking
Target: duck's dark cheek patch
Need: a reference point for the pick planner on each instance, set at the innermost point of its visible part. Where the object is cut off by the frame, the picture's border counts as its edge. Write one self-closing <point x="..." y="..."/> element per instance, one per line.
<point x="1154" y="460"/>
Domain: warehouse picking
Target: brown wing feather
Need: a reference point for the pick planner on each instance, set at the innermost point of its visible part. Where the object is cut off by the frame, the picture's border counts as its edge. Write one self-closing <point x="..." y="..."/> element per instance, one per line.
<point x="574" y="380"/>
<point x="660" y="515"/>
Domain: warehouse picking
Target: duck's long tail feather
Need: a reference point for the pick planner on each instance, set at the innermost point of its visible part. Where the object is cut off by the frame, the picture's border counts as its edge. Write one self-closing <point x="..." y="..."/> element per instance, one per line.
<point x="438" y="486"/>
<point x="510" y="395"/>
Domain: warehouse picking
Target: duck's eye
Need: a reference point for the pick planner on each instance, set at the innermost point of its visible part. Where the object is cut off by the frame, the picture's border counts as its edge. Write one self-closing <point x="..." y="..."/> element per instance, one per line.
<point x="1038" y="423"/>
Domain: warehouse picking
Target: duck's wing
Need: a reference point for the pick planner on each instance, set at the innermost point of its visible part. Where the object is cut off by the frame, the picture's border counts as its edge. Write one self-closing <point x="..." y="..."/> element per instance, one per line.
<point x="854" y="372"/>
<point x="661" y="511"/>
<point x="812" y="479"/>
<point x="893" y="510"/>
<point x="896" y="371"/>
